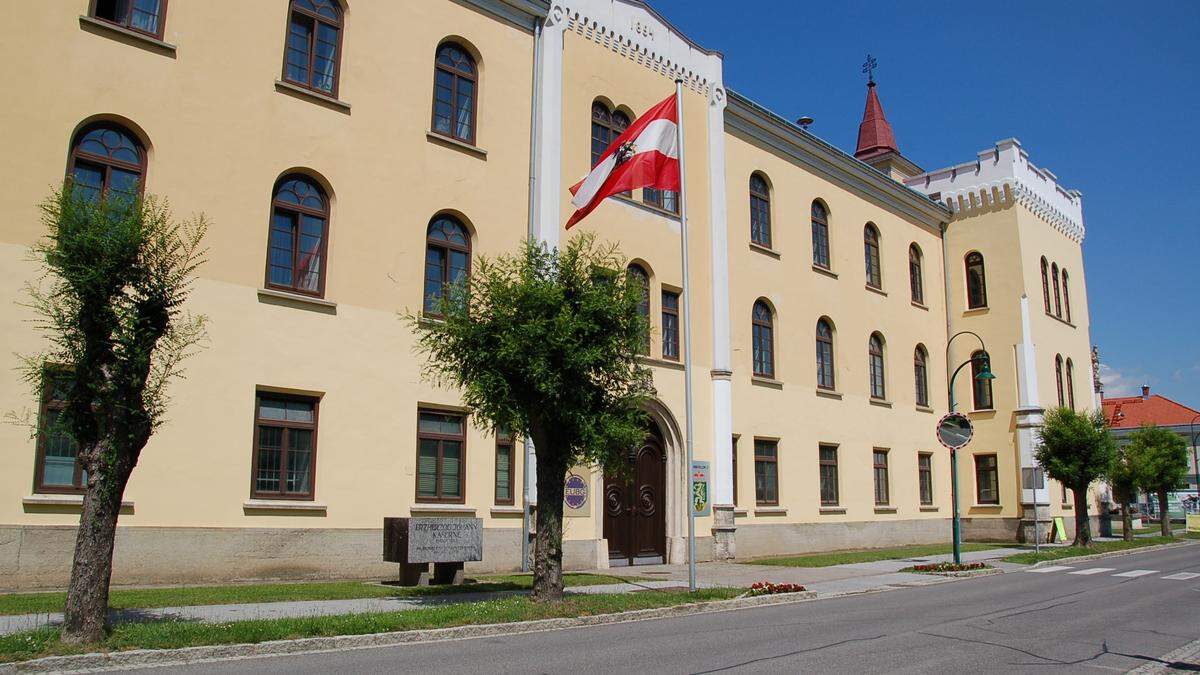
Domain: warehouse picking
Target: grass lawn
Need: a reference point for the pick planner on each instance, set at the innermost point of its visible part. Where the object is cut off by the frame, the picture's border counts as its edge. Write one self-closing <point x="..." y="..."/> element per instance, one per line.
<point x="868" y="555"/>
<point x="1097" y="547"/>
<point x="182" y="596"/>
<point x="175" y="634"/>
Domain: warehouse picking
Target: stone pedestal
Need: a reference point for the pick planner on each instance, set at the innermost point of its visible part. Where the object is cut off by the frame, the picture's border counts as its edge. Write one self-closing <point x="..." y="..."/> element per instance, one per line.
<point x="1029" y="516"/>
<point x="723" y="531"/>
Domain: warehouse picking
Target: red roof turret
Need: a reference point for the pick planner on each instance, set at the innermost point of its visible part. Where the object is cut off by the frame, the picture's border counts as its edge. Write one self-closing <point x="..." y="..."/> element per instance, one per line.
<point x="875" y="135"/>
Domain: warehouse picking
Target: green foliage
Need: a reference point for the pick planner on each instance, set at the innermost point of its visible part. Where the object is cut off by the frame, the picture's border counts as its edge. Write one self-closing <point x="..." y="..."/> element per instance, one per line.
<point x="1060" y="552"/>
<point x="869" y="555"/>
<point x="1158" y="457"/>
<point x="1122" y="476"/>
<point x="117" y="271"/>
<point x="547" y="342"/>
<point x="1075" y="448"/>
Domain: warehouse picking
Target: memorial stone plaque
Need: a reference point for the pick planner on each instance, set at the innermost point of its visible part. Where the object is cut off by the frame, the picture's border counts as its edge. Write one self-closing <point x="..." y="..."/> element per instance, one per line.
<point x="445" y="540"/>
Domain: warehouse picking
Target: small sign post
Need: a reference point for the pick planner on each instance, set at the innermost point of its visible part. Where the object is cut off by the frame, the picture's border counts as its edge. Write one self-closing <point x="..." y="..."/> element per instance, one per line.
<point x="700" y="493"/>
<point x="954" y="431"/>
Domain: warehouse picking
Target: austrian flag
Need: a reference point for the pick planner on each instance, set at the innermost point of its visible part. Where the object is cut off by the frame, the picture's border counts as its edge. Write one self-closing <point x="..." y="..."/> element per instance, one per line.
<point x="646" y="155"/>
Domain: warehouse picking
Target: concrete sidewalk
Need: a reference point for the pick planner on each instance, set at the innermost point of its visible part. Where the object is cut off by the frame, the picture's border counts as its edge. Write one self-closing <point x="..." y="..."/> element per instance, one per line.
<point x="826" y="581"/>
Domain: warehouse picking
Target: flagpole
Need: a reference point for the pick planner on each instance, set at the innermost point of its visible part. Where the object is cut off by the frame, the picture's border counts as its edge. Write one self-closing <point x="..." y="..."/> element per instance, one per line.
<point x="687" y="339"/>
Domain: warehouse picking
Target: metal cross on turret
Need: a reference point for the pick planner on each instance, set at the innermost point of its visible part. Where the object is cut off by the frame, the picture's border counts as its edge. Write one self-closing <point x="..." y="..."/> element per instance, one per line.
<point x="869" y="68"/>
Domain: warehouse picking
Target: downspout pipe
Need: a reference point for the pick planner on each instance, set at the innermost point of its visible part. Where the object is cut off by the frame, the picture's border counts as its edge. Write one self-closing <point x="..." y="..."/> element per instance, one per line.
<point x="534" y="133"/>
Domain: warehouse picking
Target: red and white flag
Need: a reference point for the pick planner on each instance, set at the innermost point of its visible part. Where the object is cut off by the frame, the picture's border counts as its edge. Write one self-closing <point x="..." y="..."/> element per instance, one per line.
<point x="645" y="155"/>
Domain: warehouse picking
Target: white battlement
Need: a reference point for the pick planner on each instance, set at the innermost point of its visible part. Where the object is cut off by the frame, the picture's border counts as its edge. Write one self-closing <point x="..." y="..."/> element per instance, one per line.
<point x="1000" y="176"/>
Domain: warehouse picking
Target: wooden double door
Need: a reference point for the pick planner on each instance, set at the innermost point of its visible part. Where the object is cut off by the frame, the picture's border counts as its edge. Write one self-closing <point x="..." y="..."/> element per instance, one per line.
<point x="635" y="514"/>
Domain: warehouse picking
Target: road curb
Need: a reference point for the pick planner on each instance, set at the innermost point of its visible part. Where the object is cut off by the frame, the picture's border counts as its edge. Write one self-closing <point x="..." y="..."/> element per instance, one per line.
<point x="1112" y="554"/>
<point x="163" y="657"/>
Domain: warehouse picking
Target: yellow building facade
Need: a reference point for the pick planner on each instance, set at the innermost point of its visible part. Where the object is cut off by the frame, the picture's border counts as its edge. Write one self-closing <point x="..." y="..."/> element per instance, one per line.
<point x="353" y="156"/>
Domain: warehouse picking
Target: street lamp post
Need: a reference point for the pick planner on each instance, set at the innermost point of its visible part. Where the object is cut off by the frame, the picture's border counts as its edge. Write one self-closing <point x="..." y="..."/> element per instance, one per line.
<point x="985" y="373"/>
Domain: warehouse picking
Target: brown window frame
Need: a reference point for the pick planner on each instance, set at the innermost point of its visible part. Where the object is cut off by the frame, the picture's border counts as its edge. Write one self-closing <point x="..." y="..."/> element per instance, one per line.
<point x="876" y="365"/>
<point x="825" y="342"/>
<point x="638" y="271"/>
<point x="871" y="251"/>
<point x="504" y="439"/>
<point x="298" y="210"/>
<point x="1070" y="378"/>
<point x="108" y="163"/>
<point x="1057" y="291"/>
<point x="1058" y="379"/>
<point x="762" y="331"/>
<point x="977" y="291"/>
<point x="876" y="468"/>
<point x="824" y="465"/>
<point x="455" y="74"/>
<point x="78" y="485"/>
<point x="994" y="484"/>
<point x="672" y="339"/>
<point x="766" y="459"/>
<point x="916" y="278"/>
<point x="462" y="462"/>
<point x="315" y="18"/>
<point x="760" y="211"/>
<point x="127" y="24"/>
<point x="925" y="478"/>
<point x="606" y="122"/>
<point x="921" y="375"/>
<point x="260" y="422"/>
<point x="822" y="256"/>
<point x="1066" y="295"/>
<point x="447" y="247"/>
<point x="657" y="199"/>
<point x="1046" y="284"/>
<point x="980" y="389"/>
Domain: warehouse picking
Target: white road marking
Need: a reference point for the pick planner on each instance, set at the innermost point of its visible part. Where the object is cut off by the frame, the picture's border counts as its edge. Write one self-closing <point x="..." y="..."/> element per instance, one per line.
<point x="1050" y="568"/>
<point x="1182" y="576"/>
<point x="1136" y="573"/>
<point x="1094" y="570"/>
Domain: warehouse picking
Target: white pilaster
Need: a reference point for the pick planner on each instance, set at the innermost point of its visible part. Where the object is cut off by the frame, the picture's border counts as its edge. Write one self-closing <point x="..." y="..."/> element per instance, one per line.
<point x="722" y="390"/>
<point x="1029" y="409"/>
<point x="549" y="144"/>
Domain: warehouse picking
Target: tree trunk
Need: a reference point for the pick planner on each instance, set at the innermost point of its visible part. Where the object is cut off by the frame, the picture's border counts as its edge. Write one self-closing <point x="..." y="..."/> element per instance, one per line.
<point x="1163" y="516"/>
<point x="547" y="545"/>
<point x="86" y="617"/>
<point x="1083" y="527"/>
<point x="1126" y="522"/>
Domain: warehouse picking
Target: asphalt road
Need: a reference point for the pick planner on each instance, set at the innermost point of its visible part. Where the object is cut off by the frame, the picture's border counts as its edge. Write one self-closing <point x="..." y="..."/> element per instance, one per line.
<point x="1057" y="621"/>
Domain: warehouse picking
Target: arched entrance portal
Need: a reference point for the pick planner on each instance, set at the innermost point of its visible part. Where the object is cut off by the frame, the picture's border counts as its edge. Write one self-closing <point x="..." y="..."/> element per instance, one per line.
<point x="635" y="506"/>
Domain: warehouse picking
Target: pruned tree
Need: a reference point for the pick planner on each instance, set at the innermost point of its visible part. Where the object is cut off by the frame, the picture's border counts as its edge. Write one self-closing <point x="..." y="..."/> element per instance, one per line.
<point x="117" y="271"/>
<point x="547" y="342"/>
<point x="1076" y="449"/>
<point x="1159" y="457"/>
<point x="1122" y="476"/>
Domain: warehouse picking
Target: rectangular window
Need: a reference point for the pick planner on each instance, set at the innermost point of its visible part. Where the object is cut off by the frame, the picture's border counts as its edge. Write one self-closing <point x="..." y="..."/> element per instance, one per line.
<point x="881" y="477"/>
<point x="505" y="461"/>
<point x="58" y="469"/>
<point x="670" y="325"/>
<point x="441" y="444"/>
<point x="735" y="473"/>
<point x="925" y="474"/>
<point x="828" y="466"/>
<point x="987" y="480"/>
<point x="140" y="15"/>
<point x="766" y="472"/>
<point x="285" y="446"/>
<point x="667" y="200"/>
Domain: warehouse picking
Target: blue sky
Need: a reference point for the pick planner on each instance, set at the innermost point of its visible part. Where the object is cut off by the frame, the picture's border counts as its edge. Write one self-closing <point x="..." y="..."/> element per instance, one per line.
<point x="1104" y="94"/>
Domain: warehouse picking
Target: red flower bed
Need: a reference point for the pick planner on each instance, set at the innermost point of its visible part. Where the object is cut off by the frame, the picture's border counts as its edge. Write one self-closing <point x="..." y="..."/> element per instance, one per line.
<point x="948" y="567"/>
<point x="768" y="588"/>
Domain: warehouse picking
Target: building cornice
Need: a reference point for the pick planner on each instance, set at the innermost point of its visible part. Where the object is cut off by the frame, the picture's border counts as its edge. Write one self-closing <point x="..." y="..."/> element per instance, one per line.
<point x="762" y="127"/>
<point x="519" y="13"/>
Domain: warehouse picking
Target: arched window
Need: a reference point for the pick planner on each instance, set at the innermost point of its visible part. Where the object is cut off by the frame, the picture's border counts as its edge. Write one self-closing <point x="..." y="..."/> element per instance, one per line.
<point x="921" y="375"/>
<point x="105" y="159"/>
<point x="916" y="279"/>
<point x="825" y="369"/>
<point x="143" y="16"/>
<point x="764" y="340"/>
<point x="875" y="363"/>
<point x="976" y="281"/>
<point x="454" y="82"/>
<point x="1058" y="379"/>
<point x="1057" y="294"/>
<point x="820" y="235"/>
<point x="1046" y="284"/>
<point x="447" y="258"/>
<point x="639" y="274"/>
<point x="1070" y="384"/>
<point x="314" y="44"/>
<point x="1066" y="296"/>
<point x="981" y="389"/>
<point x="606" y="126"/>
<point x="871" y="247"/>
<point x="760" y="211"/>
<point x="299" y="224"/>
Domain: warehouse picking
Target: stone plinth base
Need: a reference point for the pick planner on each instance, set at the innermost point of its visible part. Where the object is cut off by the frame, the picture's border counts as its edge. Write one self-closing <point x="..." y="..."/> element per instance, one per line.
<point x="1035" y="521"/>
<point x="724" y="530"/>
